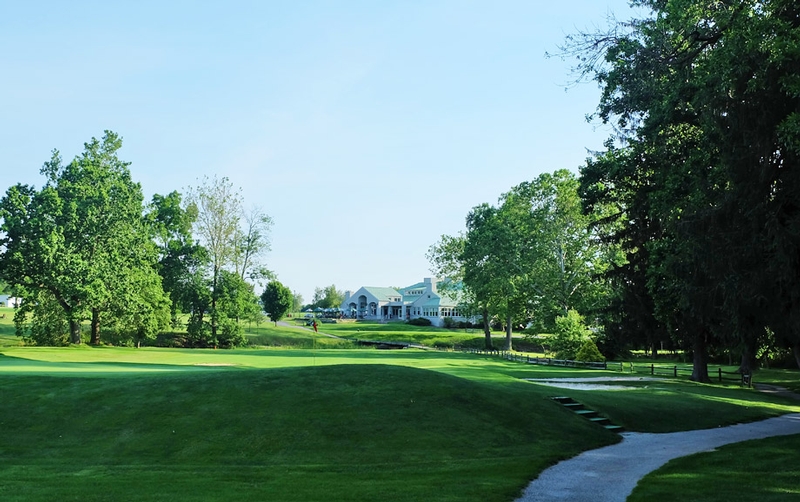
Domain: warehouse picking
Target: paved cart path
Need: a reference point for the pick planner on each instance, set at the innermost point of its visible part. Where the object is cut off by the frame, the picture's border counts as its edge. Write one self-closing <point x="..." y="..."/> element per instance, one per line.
<point x="609" y="474"/>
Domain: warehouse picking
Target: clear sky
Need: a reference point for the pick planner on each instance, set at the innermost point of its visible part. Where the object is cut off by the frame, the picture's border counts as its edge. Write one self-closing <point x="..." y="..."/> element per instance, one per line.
<point x="365" y="129"/>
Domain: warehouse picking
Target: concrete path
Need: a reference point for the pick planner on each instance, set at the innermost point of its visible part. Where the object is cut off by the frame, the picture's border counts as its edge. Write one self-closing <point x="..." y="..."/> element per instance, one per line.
<point x="609" y="474"/>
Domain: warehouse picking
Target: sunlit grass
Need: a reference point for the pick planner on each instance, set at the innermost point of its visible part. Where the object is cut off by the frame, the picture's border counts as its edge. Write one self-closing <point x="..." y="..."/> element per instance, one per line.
<point x="763" y="470"/>
<point x="429" y="336"/>
<point x="8" y="337"/>
<point x="305" y="424"/>
<point x="335" y="432"/>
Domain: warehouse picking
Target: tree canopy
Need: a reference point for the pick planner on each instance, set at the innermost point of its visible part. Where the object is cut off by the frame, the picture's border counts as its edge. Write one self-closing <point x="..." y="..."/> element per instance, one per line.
<point x="80" y="242"/>
<point x="276" y="300"/>
<point x="84" y="247"/>
<point x="705" y="101"/>
<point x="530" y="259"/>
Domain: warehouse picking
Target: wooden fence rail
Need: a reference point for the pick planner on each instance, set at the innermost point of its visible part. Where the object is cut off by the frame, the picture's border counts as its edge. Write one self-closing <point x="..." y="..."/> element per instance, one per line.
<point x="655" y="370"/>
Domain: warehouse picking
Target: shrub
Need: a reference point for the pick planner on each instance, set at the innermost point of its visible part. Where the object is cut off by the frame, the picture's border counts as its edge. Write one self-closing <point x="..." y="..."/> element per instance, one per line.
<point x="589" y="352"/>
<point x="449" y="323"/>
<point x="420" y="321"/>
<point x="42" y="321"/>
<point x="570" y="335"/>
<point x="229" y="333"/>
<point x="442" y="345"/>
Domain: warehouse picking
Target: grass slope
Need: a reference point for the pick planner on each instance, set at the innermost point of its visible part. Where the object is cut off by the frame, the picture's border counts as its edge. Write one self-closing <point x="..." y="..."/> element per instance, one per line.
<point x="269" y="335"/>
<point x="670" y="406"/>
<point x="350" y="432"/>
<point x="96" y="423"/>
<point x="766" y="470"/>
<point x="402" y="332"/>
<point x="8" y="337"/>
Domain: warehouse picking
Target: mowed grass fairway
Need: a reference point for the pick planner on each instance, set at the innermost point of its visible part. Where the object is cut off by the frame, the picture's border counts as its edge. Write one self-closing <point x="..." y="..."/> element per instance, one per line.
<point x="106" y="423"/>
<point x="402" y="332"/>
<point x="103" y="424"/>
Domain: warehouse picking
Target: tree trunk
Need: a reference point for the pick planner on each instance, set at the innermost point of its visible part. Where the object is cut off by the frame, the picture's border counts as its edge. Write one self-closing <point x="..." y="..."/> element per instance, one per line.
<point x="214" y="307"/>
<point x="748" y="357"/>
<point x="654" y="349"/>
<point x="700" y="359"/>
<point x="796" y="351"/>
<point x="487" y="330"/>
<point x="508" y="333"/>
<point x="75" y="332"/>
<point x="95" y="331"/>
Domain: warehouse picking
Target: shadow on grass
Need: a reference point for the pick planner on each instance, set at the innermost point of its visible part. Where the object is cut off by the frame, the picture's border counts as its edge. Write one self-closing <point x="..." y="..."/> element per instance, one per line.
<point x="19" y="365"/>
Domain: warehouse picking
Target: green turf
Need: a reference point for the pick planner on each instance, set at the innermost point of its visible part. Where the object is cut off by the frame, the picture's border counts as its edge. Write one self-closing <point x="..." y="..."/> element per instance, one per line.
<point x="661" y="406"/>
<point x="766" y="470"/>
<point x="343" y="432"/>
<point x="8" y="337"/>
<point x="420" y="335"/>
<point x="300" y="337"/>
<point x="96" y="423"/>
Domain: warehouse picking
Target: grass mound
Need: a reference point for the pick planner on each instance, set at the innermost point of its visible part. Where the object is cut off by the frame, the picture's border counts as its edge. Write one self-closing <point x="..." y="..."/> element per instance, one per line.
<point x="763" y="470"/>
<point x="349" y="432"/>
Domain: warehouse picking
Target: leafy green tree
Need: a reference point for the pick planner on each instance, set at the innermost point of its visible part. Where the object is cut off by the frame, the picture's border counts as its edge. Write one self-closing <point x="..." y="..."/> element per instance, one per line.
<point x="533" y="257"/>
<point x="231" y="249"/>
<point x="490" y="268"/>
<point x="179" y="257"/>
<point x="219" y="207"/>
<point x="327" y="297"/>
<point x="276" y="300"/>
<point x="252" y="242"/>
<point x="237" y="299"/>
<point x="617" y="194"/>
<point x="140" y="311"/>
<point x="705" y="97"/>
<point x="41" y="320"/>
<point x="333" y="297"/>
<point x="557" y="250"/>
<point x="198" y="298"/>
<point x="80" y="237"/>
<point x="447" y="262"/>
<point x="297" y="302"/>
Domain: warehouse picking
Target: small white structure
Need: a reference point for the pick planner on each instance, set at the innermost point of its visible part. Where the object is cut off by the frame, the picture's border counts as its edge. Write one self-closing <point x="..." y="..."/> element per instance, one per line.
<point x="418" y="300"/>
<point x="10" y="301"/>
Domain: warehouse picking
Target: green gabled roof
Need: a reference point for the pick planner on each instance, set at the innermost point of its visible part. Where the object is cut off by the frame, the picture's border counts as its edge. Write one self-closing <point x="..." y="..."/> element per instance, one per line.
<point x="419" y="285"/>
<point x="448" y="300"/>
<point x="382" y="294"/>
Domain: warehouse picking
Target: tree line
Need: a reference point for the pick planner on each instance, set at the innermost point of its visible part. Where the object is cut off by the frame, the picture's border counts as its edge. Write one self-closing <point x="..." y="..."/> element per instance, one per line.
<point x="86" y="247"/>
<point x="690" y="220"/>
<point x="532" y="261"/>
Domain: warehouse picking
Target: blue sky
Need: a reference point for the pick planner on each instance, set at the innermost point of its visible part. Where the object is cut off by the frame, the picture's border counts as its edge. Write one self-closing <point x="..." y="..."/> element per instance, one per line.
<point x="365" y="129"/>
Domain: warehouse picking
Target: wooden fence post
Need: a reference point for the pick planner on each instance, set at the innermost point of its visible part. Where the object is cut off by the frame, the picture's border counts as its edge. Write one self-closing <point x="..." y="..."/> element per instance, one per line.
<point x="720" y="374"/>
<point x="675" y="371"/>
<point x="652" y="369"/>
